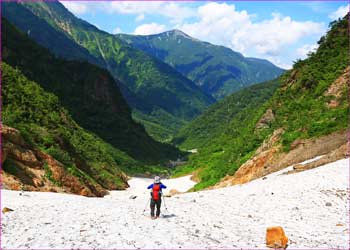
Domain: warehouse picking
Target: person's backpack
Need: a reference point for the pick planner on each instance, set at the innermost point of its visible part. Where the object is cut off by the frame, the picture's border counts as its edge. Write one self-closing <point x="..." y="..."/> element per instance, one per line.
<point x="156" y="192"/>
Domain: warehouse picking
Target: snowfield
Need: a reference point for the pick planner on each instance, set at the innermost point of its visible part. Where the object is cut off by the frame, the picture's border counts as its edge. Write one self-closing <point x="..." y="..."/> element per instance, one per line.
<point x="311" y="206"/>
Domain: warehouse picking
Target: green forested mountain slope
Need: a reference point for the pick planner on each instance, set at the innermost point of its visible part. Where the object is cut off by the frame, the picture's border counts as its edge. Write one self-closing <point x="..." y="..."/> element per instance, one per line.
<point x="217" y="70"/>
<point x="48" y="127"/>
<point x="217" y="118"/>
<point x="157" y="92"/>
<point x="88" y="92"/>
<point x="39" y="30"/>
<point x="300" y="106"/>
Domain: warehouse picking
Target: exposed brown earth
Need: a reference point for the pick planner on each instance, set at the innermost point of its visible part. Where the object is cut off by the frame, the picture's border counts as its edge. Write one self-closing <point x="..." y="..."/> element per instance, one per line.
<point x="270" y="158"/>
<point x="334" y="155"/>
<point x="337" y="88"/>
<point x="27" y="168"/>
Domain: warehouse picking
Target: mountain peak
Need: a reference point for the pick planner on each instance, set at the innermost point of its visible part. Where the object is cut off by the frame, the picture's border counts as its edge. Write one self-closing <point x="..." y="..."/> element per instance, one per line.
<point x="176" y="32"/>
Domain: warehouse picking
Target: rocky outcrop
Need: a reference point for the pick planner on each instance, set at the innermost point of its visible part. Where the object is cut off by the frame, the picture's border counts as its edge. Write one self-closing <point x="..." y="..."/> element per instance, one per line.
<point x="334" y="155"/>
<point x="258" y="165"/>
<point x="276" y="238"/>
<point x="27" y="168"/>
<point x="21" y="154"/>
<point x="270" y="158"/>
<point x="338" y="88"/>
<point x="270" y="142"/>
<point x="265" y="120"/>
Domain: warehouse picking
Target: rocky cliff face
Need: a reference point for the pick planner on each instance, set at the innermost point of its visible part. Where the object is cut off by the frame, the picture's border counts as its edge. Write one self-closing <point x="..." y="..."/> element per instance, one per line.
<point x="270" y="156"/>
<point x="28" y="168"/>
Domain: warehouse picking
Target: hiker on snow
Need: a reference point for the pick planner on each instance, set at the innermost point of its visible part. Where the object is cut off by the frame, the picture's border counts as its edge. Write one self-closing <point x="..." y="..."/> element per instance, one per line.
<point x="156" y="194"/>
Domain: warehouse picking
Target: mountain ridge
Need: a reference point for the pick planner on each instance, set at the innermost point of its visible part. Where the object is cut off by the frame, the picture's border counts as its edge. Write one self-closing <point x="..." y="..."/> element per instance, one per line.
<point x="216" y="69"/>
<point x="309" y="106"/>
<point x="150" y="86"/>
<point x="47" y="150"/>
<point x="89" y="93"/>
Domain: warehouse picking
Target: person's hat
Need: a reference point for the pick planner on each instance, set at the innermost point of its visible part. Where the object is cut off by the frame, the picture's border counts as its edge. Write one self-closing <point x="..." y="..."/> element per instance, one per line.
<point x="156" y="179"/>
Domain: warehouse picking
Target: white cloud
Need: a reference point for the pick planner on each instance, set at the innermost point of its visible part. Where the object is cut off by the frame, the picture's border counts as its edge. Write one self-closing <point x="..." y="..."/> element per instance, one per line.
<point x="280" y="63"/>
<point x="131" y="7"/>
<point x="339" y="13"/>
<point x="117" y="30"/>
<point x="175" y="12"/>
<point x="140" y="18"/>
<point x="76" y="7"/>
<point x="149" y="28"/>
<point x="305" y="49"/>
<point x="221" y="23"/>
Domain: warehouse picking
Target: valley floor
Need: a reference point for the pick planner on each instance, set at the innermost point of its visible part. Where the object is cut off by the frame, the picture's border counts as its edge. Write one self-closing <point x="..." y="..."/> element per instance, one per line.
<point x="312" y="207"/>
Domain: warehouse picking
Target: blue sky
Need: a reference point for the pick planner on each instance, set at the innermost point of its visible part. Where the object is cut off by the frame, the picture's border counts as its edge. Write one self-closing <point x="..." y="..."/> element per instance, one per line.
<point x="277" y="31"/>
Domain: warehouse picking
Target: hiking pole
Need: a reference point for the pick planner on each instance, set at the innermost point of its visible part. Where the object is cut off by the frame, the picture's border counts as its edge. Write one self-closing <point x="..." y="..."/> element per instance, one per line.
<point x="166" y="209"/>
<point x="146" y="205"/>
<point x="165" y="204"/>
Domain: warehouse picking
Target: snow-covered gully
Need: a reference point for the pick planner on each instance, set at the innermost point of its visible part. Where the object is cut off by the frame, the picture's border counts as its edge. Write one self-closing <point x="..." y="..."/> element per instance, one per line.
<point x="311" y="206"/>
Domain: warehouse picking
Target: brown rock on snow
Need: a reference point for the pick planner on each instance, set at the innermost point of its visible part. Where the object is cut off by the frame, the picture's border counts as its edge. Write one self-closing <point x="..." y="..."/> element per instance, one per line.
<point x="173" y="192"/>
<point x="276" y="238"/>
<point x="298" y="167"/>
<point x="6" y="210"/>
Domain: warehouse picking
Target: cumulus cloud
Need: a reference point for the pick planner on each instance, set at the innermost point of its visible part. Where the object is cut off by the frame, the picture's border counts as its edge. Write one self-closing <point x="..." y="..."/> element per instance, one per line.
<point x="76" y="7"/>
<point x="305" y="49"/>
<point x="149" y="28"/>
<point x="174" y="11"/>
<point x="221" y="23"/>
<point x="339" y="13"/>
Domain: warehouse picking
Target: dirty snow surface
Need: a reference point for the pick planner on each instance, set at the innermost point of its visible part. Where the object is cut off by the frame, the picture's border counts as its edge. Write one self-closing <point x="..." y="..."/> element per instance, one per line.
<point x="311" y="206"/>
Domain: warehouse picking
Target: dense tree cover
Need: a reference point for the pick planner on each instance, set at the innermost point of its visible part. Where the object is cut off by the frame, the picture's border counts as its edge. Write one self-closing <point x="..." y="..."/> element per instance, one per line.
<point x="89" y="93"/>
<point x="202" y="130"/>
<point x="46" y="125"/>
<point x="299" y="106"/>
<point x="217" y="70"/>
<point x="150" y="86"/>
